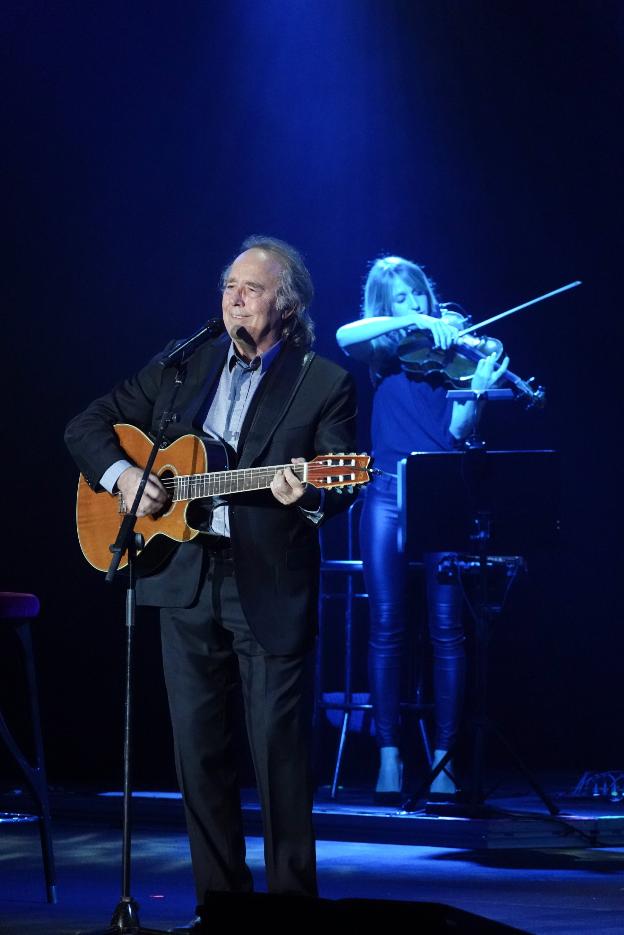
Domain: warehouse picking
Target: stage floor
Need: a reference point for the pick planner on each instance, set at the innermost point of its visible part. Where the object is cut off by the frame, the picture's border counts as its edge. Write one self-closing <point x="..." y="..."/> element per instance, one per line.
<point x="538" y="874"/>
<point x="517" y="819"/>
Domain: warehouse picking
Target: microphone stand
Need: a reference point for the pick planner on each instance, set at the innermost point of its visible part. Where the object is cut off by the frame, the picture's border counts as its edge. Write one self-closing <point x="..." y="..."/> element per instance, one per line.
<point x="125" y="918"/>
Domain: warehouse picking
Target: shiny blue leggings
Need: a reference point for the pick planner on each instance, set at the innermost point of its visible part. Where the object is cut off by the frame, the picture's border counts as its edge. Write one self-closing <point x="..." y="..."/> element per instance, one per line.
<point x="386" y="576"/>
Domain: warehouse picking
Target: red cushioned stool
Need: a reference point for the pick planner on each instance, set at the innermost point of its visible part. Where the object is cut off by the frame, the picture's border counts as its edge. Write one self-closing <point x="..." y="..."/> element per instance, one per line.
<point x="16" y="611"/>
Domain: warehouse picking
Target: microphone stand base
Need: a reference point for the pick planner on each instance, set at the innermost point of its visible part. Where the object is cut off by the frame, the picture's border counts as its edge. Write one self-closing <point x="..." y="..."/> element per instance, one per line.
<point x="125" y="921"/>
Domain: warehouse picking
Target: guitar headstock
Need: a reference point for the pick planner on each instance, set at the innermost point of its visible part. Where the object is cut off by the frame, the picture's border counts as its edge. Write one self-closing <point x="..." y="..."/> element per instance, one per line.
<point x="338" y="470"/>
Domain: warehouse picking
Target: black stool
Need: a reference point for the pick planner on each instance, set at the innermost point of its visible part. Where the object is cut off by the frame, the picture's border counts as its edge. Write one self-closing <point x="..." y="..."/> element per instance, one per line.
<point x="350" y="570"/>
<point x="16" y="611"/>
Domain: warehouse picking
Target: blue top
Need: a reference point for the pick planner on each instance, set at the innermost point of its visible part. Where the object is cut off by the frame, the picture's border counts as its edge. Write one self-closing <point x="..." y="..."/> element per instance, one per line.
<point x="410" y="413"/>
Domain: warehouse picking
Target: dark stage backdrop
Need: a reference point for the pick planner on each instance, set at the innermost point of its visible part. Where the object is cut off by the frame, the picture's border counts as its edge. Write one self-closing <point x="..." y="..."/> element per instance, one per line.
<point x="144" y="141"/>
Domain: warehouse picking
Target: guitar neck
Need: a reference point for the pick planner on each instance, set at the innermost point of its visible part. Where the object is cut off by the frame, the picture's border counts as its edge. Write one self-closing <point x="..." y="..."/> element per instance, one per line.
<point x="219" y="483"/>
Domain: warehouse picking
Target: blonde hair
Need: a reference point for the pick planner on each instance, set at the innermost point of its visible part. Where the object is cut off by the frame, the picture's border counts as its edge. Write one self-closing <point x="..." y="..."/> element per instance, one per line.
<point x="377" y="299"/>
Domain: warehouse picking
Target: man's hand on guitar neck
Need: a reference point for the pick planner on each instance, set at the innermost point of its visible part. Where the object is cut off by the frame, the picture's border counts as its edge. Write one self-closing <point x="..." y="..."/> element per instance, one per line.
<point x="154" y="498"/>
<point x="286" y="486"/>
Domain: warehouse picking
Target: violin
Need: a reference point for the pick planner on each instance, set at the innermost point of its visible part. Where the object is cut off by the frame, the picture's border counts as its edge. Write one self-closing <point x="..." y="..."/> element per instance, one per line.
<point x="459" y="362"/>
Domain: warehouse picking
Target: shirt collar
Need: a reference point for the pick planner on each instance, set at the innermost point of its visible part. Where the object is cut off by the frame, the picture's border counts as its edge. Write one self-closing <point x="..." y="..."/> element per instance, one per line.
<point x="261" y="362"/>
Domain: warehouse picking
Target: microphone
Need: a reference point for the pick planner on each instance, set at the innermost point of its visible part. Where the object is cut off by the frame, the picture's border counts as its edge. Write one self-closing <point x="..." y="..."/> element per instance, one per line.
<point x="212" y="329"/>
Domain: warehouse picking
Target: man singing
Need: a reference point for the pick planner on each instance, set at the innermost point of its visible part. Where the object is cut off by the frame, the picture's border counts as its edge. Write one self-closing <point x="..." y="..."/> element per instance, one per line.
<point x="239" y="602"/>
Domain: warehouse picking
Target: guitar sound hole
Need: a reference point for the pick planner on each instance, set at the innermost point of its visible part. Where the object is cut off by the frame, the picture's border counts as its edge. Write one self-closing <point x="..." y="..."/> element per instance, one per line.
<point x="167" y="476"/>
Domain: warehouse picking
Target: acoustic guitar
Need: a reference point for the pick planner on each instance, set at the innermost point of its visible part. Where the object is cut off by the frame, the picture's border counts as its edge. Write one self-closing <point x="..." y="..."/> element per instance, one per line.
<point x="182" y="468"/>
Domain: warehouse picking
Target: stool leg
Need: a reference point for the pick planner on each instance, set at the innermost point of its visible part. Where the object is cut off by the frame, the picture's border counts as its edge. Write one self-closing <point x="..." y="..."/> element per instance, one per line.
<point x="341" y="746"/>
<point x="348" y="673"/>
<point x="422" y="725"/>
<point x="39" y="782"/>
<point x="424" y="736"/>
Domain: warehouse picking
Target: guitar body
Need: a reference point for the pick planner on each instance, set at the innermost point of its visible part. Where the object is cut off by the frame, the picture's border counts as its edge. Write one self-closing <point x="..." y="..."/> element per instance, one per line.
<point x="97" y="514"/>
<point x="183" y="470"/>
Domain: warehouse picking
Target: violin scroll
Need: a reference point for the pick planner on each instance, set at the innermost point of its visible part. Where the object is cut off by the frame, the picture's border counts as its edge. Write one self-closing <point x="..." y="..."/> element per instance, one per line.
<point x="536" y="395"/>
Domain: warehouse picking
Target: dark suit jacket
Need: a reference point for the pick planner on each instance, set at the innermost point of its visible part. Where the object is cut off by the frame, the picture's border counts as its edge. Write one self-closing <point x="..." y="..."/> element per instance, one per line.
<point x="304" y="406"/>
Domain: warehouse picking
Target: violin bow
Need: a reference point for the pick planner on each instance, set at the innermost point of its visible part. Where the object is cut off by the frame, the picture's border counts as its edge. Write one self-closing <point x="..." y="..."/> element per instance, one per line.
<point x="540" y="298"/>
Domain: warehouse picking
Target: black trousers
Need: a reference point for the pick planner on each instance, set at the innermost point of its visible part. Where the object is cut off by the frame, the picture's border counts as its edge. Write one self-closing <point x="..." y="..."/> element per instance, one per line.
<point x="207" y="649"/>
<point x="385" y="572"/>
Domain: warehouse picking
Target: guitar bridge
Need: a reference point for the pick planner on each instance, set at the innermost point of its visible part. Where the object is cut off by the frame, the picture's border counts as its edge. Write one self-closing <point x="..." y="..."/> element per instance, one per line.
<point x="121" y="506"/>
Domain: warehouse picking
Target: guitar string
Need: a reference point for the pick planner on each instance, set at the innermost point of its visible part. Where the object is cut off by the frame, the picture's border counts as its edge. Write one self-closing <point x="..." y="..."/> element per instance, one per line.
<point x="235" y="474"/>
<point x="188" y="482"/>
<point x="238" y="473"/>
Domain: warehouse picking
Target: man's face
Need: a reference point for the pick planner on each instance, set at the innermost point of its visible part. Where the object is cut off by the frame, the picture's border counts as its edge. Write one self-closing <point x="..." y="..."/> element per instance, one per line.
<point x="249" y="301"/>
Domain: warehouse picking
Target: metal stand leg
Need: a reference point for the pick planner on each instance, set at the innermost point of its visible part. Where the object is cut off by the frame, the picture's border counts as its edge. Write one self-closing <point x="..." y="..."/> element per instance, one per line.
<point x="474" y="804"/>
<point x="35" y="776"/>
<point x="341" y="745"/>
<point x="125" y="919"/>
<point x="45" y="831"/>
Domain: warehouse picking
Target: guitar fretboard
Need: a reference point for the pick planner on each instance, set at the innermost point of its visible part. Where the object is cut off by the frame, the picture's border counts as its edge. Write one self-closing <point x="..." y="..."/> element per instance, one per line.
<point x="219" y="483"/>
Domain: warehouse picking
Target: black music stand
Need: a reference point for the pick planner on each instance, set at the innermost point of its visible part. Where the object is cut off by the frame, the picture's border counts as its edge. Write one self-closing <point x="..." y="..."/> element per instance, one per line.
<point x="490" y="503"/>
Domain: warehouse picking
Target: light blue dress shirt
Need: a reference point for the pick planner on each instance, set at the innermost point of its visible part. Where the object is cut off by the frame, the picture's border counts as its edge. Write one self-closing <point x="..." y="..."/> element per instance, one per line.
<point x="238" y="383"/>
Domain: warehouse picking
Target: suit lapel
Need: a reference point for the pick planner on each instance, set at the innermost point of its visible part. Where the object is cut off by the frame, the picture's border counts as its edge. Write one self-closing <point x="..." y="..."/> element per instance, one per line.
<point x="275" y="393"/>
<point x="203" y="372"/>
